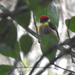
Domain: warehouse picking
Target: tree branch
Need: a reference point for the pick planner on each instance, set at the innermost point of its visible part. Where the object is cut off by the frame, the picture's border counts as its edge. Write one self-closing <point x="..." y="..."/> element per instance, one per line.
<point x="63" y="68"/>
<point x="68" y="28"/>
<point x="51" y="62"/>
<point x="70" y="42"/>
<point x="20" y="10"/>
<point x="13" y="67"/>
<point x="34" y="33"/>
<point x="36" y="27"/>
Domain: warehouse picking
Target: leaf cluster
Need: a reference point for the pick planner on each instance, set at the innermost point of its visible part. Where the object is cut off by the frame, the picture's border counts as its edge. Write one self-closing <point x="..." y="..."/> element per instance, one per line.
<point x="21" y="14"/>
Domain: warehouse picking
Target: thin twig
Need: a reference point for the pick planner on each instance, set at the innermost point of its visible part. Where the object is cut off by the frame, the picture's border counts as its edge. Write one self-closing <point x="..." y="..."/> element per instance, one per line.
<point x="69" y="38"/>
<point x="36" y="26"/>
<point x="68" y="28"/>
<point x="56" y="46"/>
<point x="63" y="68"/>
<point x="50" y="67"/>
<point x="65" y="51"/>
<point x="51" y="62"/>
<point x="32" y="67"/>
<point x="13" y="67"/>
<point x="49" y="51"/>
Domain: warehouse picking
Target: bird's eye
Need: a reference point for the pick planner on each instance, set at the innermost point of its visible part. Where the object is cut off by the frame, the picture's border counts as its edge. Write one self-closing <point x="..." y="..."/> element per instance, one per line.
<point x="44" y="20"/>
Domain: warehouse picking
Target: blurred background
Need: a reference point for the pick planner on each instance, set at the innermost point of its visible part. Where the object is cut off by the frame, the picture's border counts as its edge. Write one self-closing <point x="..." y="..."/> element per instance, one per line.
<point x="58" y="11"/>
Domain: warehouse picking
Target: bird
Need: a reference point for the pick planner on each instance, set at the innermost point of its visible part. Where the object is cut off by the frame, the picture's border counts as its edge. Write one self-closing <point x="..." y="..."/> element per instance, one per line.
<point x="46" y="27"/>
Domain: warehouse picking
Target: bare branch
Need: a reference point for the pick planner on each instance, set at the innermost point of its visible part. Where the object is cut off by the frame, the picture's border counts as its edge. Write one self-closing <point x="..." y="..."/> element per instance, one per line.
<point x="36" y="27"/>
<point x="13" y="67"/>
<point x="68" y="28"/>
<point x="63" y="68"/>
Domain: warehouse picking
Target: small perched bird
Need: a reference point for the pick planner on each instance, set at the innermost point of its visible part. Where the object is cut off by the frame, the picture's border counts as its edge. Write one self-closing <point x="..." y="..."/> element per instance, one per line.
<point x="46" y="27"/>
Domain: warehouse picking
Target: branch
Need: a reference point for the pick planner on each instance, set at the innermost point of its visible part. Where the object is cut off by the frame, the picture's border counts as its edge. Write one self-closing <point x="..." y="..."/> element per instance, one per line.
<point x="21" y="10"/>
<point x="13" y="67"/>
<point x="63" y="68"/>
<point x="51" y="62"/>
<point x="49" y="51"/>
<point x="44" y="54"/>
<point x="71" y="42"/>
<point x="34" y="33"/>
<point x="36" y="27"/>
<point x="68" y="28"/>
<point x="64" y="51"/>
<point x="14" y="13"/>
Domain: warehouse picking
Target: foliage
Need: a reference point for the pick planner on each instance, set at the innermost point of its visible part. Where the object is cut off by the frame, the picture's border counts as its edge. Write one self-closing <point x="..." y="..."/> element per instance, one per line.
<point x="72" y="23"/>
<point x="25" y="43"/>
<point x="46" y="42"/>
<point x="4" y="69"/>
<point x="8" y="32"/>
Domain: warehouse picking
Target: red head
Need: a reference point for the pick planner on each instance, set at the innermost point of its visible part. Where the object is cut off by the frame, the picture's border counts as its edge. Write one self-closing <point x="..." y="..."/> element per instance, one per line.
<point x="43" y="16"/>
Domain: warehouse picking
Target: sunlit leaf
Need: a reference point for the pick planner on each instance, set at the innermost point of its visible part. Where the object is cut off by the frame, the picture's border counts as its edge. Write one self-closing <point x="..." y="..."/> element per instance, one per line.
<point x="71" y="24"/>
<point x="4" y="69"/>
<point x="25" y="43"/>
<point x="25" y="61"/>
<point x="46" y="42"/>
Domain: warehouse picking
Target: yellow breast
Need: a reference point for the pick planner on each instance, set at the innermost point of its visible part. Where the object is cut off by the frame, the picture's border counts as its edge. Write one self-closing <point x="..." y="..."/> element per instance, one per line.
<point x="42" y="24"/>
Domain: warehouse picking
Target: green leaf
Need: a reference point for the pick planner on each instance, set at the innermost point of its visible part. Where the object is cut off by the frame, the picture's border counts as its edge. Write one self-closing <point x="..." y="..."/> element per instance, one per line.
<point x="44" y="3"/>
<point x="23" y="19"/>
<point x="3" y="23"/>
<point x="32" y="4"/>
<point x="52" y="55"/>
<point x="72" y="23"/>
<point x="40" y="11"/>
<point x="8" y="51"/>
<point x="4" y="69"/>
<point x="53" y="12"/>
<point x="70" y="74"/>
<point x="11" y="37"/>
<point x="22" y="3"/>
<point x="7" y="45"/>
<point x="25" y="43"/>
<point x="25" y="62"/>
<point x="17" y="50"/>
<point x="47" y="41"/>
